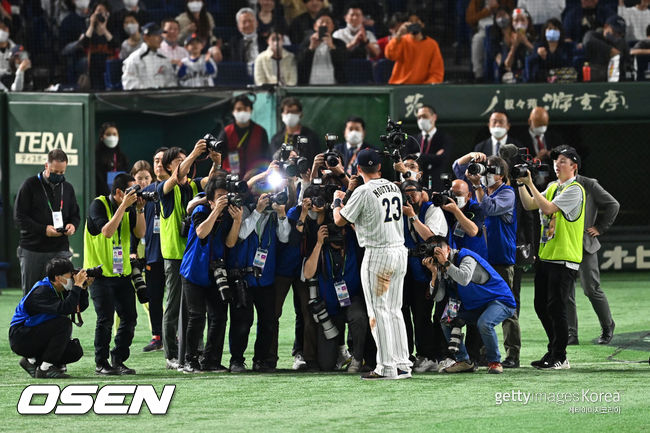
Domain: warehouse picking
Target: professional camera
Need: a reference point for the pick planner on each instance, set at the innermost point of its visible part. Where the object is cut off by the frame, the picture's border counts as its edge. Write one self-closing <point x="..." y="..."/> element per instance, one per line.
<point x="394" y="140"/>
<point x="319" y="310"/>
<point x="218" y="268"/>
<point x="331" y="156"/>
<point x="326" y="193"/>
<point x="425" y="249"/>
<point x="95" y="272"/>
<point x="442" y="197"/>
<point x="334" y="234"/>
<point x="219" y="146"/>
<point x="137" y="265"/>
<point x="456" y="337"/>
<point x="238" y="282"/>
<point x="279" y="198"/>
<point x="482" y="170"/>
<point x="237" y="189"/>
<point x="151" y="196"/>
<point x="527" y="163"/>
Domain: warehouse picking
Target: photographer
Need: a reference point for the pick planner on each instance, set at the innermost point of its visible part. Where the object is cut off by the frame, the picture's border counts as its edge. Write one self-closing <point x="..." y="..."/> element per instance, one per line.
<point x="335" y="262"/>
<point x="107" y="240"/>
<point x="214" y="227"/>
<point x="423" y="221"/>
<point x="465" y="220"/>
<point x="261" y="231"/>
<point x="354" y="134"/>
<point x="562" y="214"/>
<point x="331" y="174"/>
<point x="409" y="168"/>
<point x="99" y="44"/>
<point x="482" y="297"/>
<point x="40" y="329"/>
<point x="46" y="212"/>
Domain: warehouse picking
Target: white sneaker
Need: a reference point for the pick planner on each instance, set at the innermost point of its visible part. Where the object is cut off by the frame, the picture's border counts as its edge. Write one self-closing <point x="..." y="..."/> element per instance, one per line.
<point x="418" y="361"/>
<point x="171" y="364"/>
<point x="426" y="365"/>
<point x="298" y="362"/>
<point x="402" y="374"/>
<point x="559" y="365"/>
<point x="344" y="358"/>
<point x="447" y="362"/>
<point x="355" y="366"/>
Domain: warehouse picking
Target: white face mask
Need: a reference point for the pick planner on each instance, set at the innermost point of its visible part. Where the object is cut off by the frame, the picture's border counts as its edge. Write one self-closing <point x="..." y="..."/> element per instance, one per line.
<point x="411" y="175"/>
<point x="111" y="141"/>
<point x="491" y="179"/>
<point x="520" y="26"/>
<point x="131" y="28"/>
<point x="354" y="137"/>
<point x="291" y="120"/>
<point x="68" y="285"/>
<point x="425" y="124"/>
<point x="242" y="116"/>
<point x="82" y="4"/>
<point x="130" y="3"/>
<point x="353" y="29"/>
<point x="540" y="130"/>
<point x="312" y="214"/>
<point x="461" y="202"/>
<point x="195" y="6"/>
<point x="4" y="36"/>
<point x="498" y="132"/>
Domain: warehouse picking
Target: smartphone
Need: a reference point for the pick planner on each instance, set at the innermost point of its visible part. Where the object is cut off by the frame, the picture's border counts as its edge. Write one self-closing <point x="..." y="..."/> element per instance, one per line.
<point x="414" y="28"/>
<point x="322" y="31"/>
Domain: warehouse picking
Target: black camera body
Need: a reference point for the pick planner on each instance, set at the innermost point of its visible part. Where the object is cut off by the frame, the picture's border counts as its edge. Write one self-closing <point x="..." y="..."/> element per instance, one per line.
<point x="394" y="139"/>
<point x="334" y="235"/>
<point x="331" y="156"/>
<point x="237" y="190"/>
<point x="219" y="146"/>
<point x="220" y="275"/>
<point x="95" y="272"/>
<point x="62" y="230"/>
<point x="137" y="278"/>
<point x="151" y="196"/>
<point x="482" y="169"/>
<point x="280" y="198"/>
<point x="442" y="197"/>
<point x="325" y="193"/>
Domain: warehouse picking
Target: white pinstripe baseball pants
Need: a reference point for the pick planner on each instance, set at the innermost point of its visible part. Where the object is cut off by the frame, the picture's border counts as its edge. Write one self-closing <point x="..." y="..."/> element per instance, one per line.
<point x="382" y="278"/>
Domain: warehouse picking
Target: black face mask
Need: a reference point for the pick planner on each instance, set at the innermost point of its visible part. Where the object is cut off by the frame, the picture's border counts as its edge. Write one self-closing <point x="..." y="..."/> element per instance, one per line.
<point x="56" y="178"/>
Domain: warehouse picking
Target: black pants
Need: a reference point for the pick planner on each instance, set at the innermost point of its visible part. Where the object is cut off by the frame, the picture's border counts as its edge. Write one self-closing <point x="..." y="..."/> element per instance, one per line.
<point x="199" y="300"/>
<point x="553" y="283"/>
<point x="241" y="320"/>
<point x="300" y="304"/>
<point x="415" y="302"/>
<point x="48" y="342"/>
<point x="155" y="274"/>
<point x="113" y="295"/>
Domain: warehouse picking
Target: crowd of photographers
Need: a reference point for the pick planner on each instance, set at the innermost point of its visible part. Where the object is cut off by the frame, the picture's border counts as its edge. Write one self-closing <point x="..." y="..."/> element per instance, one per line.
<point x="228" y="247"/>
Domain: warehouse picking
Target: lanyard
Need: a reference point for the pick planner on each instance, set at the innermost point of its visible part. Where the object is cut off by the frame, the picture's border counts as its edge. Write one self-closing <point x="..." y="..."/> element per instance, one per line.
<point x="260" y="236"/>
<point x="47" y="198"/>
<point x="119" y="228"/>
<point x="241" y="140"/>
<point x="114" y="161"/>
<point x="345" y="259"/>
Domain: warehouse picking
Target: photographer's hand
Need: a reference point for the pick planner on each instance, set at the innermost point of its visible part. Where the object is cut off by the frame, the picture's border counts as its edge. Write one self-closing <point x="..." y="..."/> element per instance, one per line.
<point x="51" y="232"/>
<point x="220" y="205"/>
<point x="451" y="206"/>
<point x="319" y="161"/>
<point x="69" y="229"/>
<point x="355" y="181"/>
<point x="262" y="203"/>
<point x="306" y="207"/>
<point x="80" y="278"/>
<point x="440" y="255"/>
<point x="400" y="167"/>
<point x="279" y="209"/>
<point x="314" y="41"/>
<point x="322" y="234"/>
<point x="408" y="210"/>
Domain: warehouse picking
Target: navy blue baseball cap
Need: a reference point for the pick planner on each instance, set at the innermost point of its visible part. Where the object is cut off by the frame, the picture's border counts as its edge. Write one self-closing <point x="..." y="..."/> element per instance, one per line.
<point x="151" y="29"/>
<point x="368" y="158"/>
<point x="617" y="23"/>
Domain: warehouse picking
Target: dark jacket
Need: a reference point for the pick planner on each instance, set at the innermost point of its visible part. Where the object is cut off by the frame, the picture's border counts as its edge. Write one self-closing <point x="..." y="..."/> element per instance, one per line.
<point x="485" y="146"/>
<point x="601" y="209"/>
<point x="434" y="158"/>
<point x="237" y="51"/>
<point x="306" y="58"/>
<point x="312" y="149"/>
<point x="573" y="21"/>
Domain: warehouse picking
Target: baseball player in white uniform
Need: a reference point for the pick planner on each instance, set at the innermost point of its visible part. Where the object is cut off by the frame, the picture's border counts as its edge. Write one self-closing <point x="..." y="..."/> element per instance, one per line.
<point x="375" y="209"/>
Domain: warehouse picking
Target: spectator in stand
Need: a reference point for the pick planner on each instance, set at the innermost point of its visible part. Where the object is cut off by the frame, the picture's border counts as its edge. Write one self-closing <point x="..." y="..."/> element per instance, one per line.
<point x="294" y="8"/>
<point x="510" y="46"/>
<point x="116" y="21"/>
<point x="642" y="47"/>
<point x="270" y="18"/>
<point x="99" y="43"/>
<point x="196" y="70"/>
<point x="552" y="52"/>
<point x="146" y="68"/>
<point x="542" y="11"/>
<point x="479" y="15"/>
<point x="303" y="24"/>
<point x="109" y="158"/>
<point x="248" y="44"/>
<point x="417" y="57"/>
<point x="394" y="24"/>
<point x="74" y="23"/>
<point x="6" y="45"/>
<point x="275" y="65"/>
<point x="19" y="76"/>
<point x="589" y="16"/>
<point x="608" y="53"/>
<point x="134" y="40"/>
<point x="637" y="19"/>
<point x="360" y="43"/>
<point x="170" y="46"/>
<point x="196" y="19"/>
<point x="321" y="58"/>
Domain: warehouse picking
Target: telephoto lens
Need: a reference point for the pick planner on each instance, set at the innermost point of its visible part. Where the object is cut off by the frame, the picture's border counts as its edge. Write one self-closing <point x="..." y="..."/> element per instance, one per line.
<point x="221" y="278"/>
<point x="151" y="196"/>
<point x="319" y="311"/>
<point x="476" y="168"/>
<point x="138" y="281"/>
<point x="456" y="337"/>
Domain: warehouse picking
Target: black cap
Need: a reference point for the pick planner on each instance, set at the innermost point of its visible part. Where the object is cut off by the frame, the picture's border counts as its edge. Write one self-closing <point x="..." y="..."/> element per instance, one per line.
<point x="151" y="29"/>
<point x="617" y="23"/>
<point x="411" y="184"/>
<point x="567" y="151"/>
<point x="368" y="158"/>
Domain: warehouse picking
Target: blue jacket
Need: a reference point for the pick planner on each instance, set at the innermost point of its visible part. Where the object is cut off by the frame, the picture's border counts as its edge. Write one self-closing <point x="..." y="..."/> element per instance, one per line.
<point x="474" y="296"/>
<point x="49" y="302"/>
<point x="351" y="274"/>
<point x="458" y="239"/>
<point x="415" y="268"/>
<point x="268" y="241"/>
<point x="289" y="261"/>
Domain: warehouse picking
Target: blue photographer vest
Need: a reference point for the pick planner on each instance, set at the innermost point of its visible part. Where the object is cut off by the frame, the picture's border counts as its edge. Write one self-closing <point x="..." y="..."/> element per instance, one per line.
<point x="475" y="243"/>
<point x="22" y="316"/>
<point x="502" y="236"/>
<point x="268" y="240"/>
<point x="474" y="295"/>
<point x="350" y="274"/>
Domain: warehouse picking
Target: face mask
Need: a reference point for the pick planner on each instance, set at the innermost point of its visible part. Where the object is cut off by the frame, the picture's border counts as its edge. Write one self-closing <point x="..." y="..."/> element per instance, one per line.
<point x="312" y="214"/>
<point x="353" y="29"/>
<point x="424" y="124"/>
<point x="611" y="37"/>
<point x="291" y="120"/>
<point x="82" y="4"/>
<point x="111" y="141"/>
<point x="242" y="116"/>
<point x="498" y="132"/>
<point x="56" y="178"/>
<point x="552" y="35"/>
<point x="68" y="285"/>
<point x="520" y="26"/>
<point x="4" y="36"/>
<point x="354" y="138"/>
<point x="503" y="22"/>
<point x="540" y="130"/>
<point x="131" y="28"/>
<point x="195" y="6"/>
<point x="130" y="3"/>
<point x="461" y="202"/>
<point x="490" y="179"/>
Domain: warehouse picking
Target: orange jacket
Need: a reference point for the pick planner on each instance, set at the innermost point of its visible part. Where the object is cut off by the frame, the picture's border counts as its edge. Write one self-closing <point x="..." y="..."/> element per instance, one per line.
<point x="416" y="62"/>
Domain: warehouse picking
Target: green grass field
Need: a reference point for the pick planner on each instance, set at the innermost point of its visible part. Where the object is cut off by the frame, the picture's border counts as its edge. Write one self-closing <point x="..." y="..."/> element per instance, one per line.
<point x="287" y="401"/>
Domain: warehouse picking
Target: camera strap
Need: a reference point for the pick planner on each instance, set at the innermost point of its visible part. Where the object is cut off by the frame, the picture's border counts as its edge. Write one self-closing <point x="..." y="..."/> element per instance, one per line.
<point x="77" y="314"/>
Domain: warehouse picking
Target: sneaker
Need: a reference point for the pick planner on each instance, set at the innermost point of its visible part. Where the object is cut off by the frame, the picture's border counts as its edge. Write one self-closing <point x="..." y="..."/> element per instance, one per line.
<point x="51" y="373"/>
<point x="299" y="362"/>
<point x="262" y="367"/>
<point x="344" y="358"/>
<point x="445" y="363"/>
<point x="374" y="376"/>
<point x="192" y="366"/>
<point x="154" y="345"/>
<point x="607" y="334"/>
<point x="561" y="365"/>
<point x="105" y="369"/>
<point x="461" y="367"/>
<point x="122" y="369"/>
<point x="354" y="366"/>
<point x="542" y="362"/>
<point x="402" y="374"/>
<point x="495" y="368"/>
<point x="237" y="367"/>
<point x="573" y="341"/>
<point x="418" y="361"/>
<point x="425" y="365"/>
<point x="28" y="366"/>
<point x="213" y="367"/>
<point x="510" y="363"/>
<point x="171" y="364"/>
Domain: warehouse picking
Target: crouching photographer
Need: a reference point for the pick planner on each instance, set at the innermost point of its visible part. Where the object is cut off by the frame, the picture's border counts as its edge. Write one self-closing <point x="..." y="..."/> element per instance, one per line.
<point x="482" y="297"/>
<point x="214" y="227"/>
<point x="333" y="273"/>
<point x="41" y="327"/>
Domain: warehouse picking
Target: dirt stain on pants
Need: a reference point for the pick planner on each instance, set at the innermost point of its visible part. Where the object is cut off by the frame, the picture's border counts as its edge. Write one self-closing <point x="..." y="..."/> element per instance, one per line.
<point x="383" y="281"/>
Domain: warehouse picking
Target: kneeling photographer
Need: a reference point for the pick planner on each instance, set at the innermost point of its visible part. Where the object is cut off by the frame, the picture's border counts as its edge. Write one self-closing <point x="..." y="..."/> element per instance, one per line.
<point x="482" y="297"/>
<point x="41" y="327"/>
<point x="214" y="227"/>
<point x="333" y="274"/>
